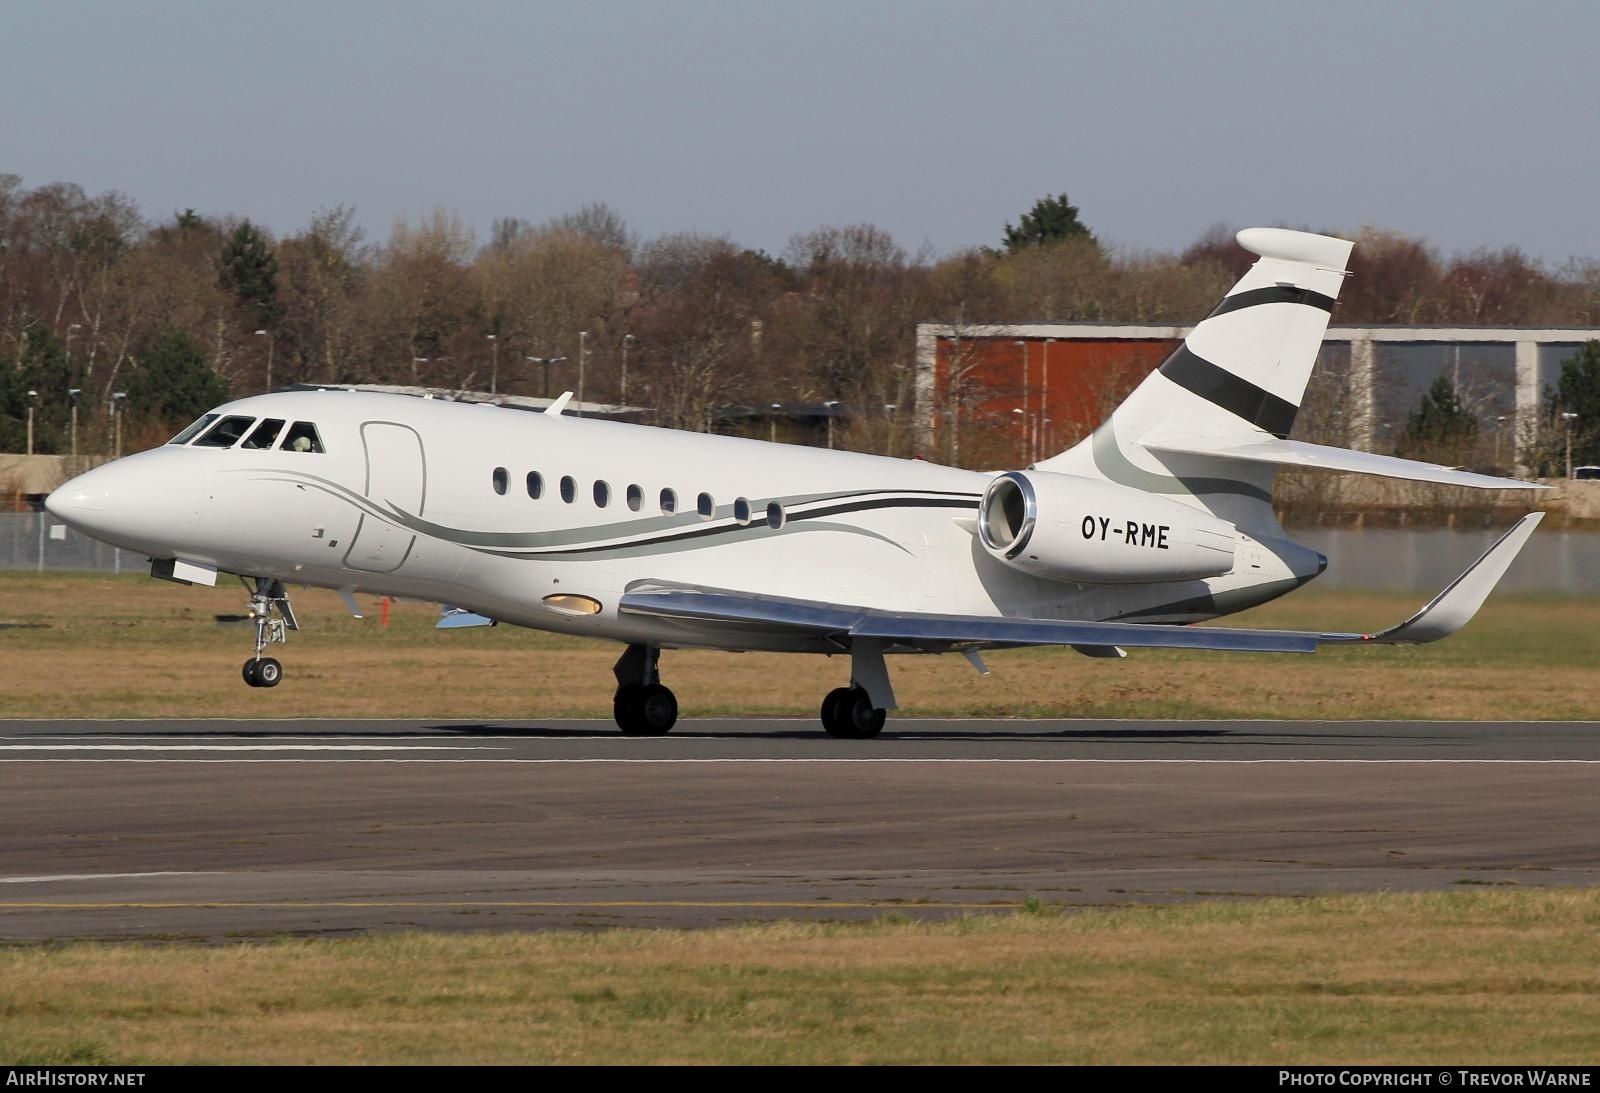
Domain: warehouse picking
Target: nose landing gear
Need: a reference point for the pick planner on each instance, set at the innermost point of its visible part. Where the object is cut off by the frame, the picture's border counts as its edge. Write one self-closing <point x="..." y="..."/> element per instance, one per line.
<point x="269" y="596"/>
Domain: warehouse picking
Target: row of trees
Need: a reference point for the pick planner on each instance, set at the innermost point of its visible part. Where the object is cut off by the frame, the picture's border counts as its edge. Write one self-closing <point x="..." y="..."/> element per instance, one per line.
<point x="180" y="311"/>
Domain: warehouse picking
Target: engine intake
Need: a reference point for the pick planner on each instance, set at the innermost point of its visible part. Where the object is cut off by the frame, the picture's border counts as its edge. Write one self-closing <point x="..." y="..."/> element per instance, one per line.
<point x="1064" y="527"/>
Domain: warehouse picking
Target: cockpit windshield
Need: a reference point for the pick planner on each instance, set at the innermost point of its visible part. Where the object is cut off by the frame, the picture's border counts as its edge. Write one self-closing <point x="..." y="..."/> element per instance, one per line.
<point x="216" y="431"/>
<point x="225" y="433"/>
<point x="265" y="433"/>
<point x="194" y="430"/>
<point x="302" y="437"/>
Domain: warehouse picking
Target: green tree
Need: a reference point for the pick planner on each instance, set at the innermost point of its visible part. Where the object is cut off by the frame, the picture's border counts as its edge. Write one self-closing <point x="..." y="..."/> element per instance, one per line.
<point x="1441" y="429"/>
<point x="1051" y="220"/>
<point x="172" y="382"/>
<point x="43" y="368"/>
<point x="1578" y="392"/>
<point x="248" y="269"/>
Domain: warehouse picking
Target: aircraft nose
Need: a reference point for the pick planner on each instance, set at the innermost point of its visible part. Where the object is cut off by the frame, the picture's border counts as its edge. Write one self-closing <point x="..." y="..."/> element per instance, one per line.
<point x="142" y="502"/>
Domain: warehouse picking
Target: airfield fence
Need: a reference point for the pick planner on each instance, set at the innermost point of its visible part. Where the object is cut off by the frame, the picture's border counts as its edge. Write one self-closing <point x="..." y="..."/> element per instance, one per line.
<point x="1359" y="559"/>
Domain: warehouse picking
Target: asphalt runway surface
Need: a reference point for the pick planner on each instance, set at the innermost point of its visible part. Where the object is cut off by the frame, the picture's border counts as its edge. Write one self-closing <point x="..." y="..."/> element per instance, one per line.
<point x="220" y="829"/>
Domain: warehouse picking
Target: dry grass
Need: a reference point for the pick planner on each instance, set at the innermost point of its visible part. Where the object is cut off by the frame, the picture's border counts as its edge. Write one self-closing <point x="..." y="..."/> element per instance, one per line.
<point x="132" y="647"/>
<point x="1455" y="978"/>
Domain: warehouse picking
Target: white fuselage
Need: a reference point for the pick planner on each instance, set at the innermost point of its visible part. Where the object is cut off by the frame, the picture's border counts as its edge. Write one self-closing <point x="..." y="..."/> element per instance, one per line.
<point x="405" y="500"/>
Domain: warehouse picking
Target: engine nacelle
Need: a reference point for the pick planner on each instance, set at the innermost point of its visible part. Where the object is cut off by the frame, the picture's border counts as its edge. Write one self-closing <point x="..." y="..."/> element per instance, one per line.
<point x="1068" y="528"/>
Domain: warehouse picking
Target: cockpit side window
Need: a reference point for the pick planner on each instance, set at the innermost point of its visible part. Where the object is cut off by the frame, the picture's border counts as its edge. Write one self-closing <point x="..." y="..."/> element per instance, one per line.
<point x="225" y="433"/>
<point x="265" y="433"/>
<point x="194" y="430"/>
<point x="302" y="437"/>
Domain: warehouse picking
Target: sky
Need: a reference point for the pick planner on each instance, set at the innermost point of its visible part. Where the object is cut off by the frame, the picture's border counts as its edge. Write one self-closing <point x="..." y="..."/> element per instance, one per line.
<point x="1469" y="123"/>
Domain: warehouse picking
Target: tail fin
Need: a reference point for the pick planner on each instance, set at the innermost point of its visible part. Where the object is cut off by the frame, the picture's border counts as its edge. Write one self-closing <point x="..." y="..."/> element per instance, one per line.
<point x="1239" y="375"/>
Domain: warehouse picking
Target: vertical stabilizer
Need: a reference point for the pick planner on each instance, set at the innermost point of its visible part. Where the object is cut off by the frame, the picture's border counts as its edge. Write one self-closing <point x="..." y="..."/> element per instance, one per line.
<point x="1240" y="374"/>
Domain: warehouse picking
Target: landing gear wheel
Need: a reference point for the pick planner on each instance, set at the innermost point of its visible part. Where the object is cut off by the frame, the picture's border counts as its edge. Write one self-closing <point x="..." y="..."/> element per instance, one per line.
<point x="268" y="672"/>
<point x="249" y="673"/>
<point x="645" y="709"/>
<point x="848" y="714"/>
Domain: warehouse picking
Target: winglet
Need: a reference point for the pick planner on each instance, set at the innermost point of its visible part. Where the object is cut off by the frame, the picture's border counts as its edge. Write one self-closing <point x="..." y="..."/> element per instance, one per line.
<point x="1453" y="608"/>
<point x="560" y="404"/>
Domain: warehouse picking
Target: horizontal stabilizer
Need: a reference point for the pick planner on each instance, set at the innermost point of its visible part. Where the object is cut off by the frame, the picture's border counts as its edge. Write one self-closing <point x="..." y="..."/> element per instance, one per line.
<point x="1453" y="608"/>
<point x="1295" y="453"/>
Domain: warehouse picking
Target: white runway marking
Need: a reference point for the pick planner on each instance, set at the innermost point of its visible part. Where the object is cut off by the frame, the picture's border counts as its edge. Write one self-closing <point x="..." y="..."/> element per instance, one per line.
<point x="860" y="762"/>
<point x="237" y="747"/>
<point x="103" y="876"/>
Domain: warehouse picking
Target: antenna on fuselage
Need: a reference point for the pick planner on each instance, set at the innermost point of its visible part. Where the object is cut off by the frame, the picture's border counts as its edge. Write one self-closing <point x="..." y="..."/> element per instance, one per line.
<point x="560" y="404"/>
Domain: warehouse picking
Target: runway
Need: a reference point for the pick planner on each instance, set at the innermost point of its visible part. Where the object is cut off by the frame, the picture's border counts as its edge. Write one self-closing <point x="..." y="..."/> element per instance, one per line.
<point x="217" y="829"/>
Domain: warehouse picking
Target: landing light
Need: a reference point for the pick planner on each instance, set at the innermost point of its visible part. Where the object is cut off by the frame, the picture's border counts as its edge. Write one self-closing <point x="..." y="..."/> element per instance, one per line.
<point x="568" y="604"/>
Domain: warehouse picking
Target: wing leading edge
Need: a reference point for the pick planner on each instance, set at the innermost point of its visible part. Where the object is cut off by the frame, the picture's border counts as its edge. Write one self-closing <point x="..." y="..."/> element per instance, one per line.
<point x="1444" y="615"/>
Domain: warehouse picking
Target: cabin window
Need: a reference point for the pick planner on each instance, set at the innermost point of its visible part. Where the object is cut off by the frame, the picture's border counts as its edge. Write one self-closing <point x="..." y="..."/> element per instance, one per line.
<point x="194" y="430"/>
<point x="635" y="497"/>
<point x="775" y="516"/>
<point x="225" y="433"/>
<point x="705" y="506"/>
<point x="535" y="485"/>
<point x="501" y="481"/>
<point x="602" y="495"/>
<point x="265" y="434"/>
<point x="302" y="437"/>
<point x="569" y="489"/>
<point x="669" y="502"/>
<point x="741" y="509"/>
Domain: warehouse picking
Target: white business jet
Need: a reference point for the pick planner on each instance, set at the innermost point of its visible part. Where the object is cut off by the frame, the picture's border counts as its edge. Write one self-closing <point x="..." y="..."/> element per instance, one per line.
<point x="660" y="539"/>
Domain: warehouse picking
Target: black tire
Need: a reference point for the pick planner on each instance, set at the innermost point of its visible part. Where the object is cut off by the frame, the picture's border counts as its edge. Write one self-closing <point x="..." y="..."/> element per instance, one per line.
<point x="645" y="710"/>
<point x="833" y="717"/>
<point x="269" y="673"/>
<point x="848" y="714"/>
<point x="658" y="710"/>
<point x="249" y="673"/>
<point x="625" y="707"/>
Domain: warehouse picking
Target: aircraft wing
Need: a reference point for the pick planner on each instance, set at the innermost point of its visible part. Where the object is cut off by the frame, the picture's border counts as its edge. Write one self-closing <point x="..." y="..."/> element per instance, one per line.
<point x="1295" y="453"/>
<point x="917" y="631"/>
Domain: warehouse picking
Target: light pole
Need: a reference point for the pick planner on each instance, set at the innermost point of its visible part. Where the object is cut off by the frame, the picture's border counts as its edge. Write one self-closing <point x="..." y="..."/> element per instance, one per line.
<point x="829" y="407"/>
<point x="583" y="365"/>
<point x="888" y="412"/>
<point x="1568" y="418"/>
<point x="494" y="368"/>
<point x="547" y="362"/>
<point x="117" y="399"/>
<point x="33" y="398"/>
<point x="1024" y="444"/>
<point x="627" y="344"/>
<point x="772" y="422"/>
<point x="1499" y="434"/>
<point x="72" y="397"/>
<point x="271" y="345"/>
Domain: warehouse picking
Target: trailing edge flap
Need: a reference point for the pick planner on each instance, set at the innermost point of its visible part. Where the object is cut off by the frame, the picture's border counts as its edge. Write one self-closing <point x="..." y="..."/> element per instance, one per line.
<point x="1294" y="453"/>
<point x="939" y="632"/>
<point x="1453" y="608"/>
<point x="1448" y="612"/>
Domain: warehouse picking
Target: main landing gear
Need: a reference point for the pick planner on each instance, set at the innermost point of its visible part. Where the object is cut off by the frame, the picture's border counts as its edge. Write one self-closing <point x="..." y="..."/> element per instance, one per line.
<point x="268" y="597"/>
<point x="848" y="714"/>
<point x="642" y="706"/>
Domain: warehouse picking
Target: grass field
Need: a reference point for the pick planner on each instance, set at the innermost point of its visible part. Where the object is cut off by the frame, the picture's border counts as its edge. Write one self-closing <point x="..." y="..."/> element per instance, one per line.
<point x="87" y="645"/>
<point x="1455" y="978"/>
